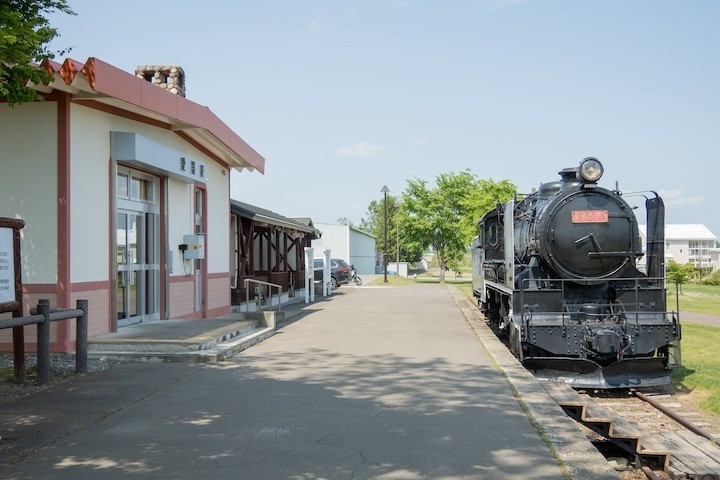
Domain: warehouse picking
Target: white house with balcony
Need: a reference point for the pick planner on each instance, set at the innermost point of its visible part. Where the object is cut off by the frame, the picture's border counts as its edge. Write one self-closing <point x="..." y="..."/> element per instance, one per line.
<point x="688" y="243"/>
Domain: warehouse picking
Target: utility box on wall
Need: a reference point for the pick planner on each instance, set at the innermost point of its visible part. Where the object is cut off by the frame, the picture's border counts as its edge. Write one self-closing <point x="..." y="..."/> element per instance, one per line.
<point x="195" y="247"/>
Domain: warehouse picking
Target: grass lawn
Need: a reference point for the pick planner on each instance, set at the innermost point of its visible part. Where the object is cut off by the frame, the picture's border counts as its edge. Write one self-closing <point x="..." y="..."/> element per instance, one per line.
<point x="695" y="298"/>
<point x="701" y="364"/>
<point x="395" y="281"/>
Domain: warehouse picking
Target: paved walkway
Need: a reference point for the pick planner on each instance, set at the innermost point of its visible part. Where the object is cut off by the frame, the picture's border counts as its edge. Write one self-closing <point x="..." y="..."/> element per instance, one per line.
<point x="704" y="318"/>
<point x="378" y="383"/>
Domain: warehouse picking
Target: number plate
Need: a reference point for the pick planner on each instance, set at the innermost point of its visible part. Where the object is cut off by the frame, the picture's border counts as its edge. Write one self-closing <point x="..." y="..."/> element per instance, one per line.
<point x="589" y="216"/>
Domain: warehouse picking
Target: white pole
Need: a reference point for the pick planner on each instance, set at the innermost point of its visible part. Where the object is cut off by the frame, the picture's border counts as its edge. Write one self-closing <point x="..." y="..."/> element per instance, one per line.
<point x="327" y="273"/>
<point x="309" y="275"/>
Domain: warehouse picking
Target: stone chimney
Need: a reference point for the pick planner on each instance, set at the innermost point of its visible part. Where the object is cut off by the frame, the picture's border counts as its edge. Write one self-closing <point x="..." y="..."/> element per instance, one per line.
<point x="168" y="77"/>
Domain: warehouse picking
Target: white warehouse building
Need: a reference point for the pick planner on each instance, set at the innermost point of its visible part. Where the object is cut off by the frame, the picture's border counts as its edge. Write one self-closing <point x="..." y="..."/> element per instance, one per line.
<point x="348" y="243"/>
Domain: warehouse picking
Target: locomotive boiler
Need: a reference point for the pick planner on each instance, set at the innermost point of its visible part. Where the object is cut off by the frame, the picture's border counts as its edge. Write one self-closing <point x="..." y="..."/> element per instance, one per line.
<point x="558" y="271"/>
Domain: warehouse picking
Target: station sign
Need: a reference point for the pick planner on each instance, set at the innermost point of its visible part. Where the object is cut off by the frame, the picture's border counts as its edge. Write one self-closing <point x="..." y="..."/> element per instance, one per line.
<point x="7" y="266"/>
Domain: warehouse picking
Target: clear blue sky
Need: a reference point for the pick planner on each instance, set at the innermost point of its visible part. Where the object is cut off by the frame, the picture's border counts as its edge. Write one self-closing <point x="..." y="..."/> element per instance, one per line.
<point x="343" y="97"/>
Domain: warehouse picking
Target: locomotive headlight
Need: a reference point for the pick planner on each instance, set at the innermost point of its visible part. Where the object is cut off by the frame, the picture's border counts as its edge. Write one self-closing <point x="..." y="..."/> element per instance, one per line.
<point x="591" y="169"/>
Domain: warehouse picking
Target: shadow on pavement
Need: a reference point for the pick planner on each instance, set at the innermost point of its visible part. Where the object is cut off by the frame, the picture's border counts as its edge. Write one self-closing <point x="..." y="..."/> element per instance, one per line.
<point x="315" y="414"/>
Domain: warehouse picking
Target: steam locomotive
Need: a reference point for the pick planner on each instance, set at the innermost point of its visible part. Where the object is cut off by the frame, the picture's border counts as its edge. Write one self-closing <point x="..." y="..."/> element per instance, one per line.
<point x="558" y="272"/>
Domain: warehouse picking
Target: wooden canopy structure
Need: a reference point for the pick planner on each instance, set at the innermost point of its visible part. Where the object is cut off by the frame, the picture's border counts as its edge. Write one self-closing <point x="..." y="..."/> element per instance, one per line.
<point x="268" y="247"/>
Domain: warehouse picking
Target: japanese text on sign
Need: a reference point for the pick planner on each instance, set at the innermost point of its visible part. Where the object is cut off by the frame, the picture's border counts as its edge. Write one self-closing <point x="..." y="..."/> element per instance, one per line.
<point x="589" y="216"/>
<point x="7" y="266"/>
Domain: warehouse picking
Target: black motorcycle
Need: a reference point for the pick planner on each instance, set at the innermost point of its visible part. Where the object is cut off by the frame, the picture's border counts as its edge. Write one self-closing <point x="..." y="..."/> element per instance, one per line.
<point x="354" y="276"/>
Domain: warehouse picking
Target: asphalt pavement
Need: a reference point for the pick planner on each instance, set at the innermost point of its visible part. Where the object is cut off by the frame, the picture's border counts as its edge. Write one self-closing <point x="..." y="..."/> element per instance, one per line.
<point x="703" y="318"/>
<point x="374" y="382"/>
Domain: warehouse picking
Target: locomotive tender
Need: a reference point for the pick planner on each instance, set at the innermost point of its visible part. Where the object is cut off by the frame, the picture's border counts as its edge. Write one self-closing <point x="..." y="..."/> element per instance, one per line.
<point x="557" y="271"/>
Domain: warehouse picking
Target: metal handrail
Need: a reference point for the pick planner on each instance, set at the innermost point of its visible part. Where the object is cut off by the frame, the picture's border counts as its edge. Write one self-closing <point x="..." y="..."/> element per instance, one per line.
<point x="260" y="282"/>
<point x="651" y="281"/>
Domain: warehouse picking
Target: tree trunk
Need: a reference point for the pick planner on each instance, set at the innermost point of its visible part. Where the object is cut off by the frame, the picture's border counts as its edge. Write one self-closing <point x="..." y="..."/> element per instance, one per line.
<point x="441" y="260"/>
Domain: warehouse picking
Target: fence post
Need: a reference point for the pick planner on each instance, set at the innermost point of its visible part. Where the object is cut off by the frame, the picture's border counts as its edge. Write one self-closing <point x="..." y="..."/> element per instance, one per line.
<point x="19" y="353"/>
<point x="81" y="337"/>
<point x="43" y="344"/>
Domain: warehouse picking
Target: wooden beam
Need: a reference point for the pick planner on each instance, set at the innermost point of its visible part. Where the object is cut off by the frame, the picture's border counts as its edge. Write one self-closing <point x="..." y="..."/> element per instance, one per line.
<point x="278" y="257"/>
<point x="285" y="252"/>
<point x="269" y="255"/>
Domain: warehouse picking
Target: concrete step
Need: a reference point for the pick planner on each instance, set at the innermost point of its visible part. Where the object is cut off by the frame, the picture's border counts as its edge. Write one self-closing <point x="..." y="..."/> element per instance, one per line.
<point x="199" y="342"/>
<point x="216" y="353"/>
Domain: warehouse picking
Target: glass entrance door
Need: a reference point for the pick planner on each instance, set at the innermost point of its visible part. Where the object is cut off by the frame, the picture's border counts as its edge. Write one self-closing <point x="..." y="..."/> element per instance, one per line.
<point x="199" y="300"/>
<point x="138" y="264"/>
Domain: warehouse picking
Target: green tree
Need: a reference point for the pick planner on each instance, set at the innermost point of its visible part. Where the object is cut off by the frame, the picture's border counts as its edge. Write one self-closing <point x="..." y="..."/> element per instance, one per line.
<point x="679" y="273"/>
<point x="24" y="34"/>
<point x="444" y="217"/>
<point x="374" y="223"/>
<point x="346" y="221"/>
<point x="433" y="214"/>
<point x="481" y="199"/>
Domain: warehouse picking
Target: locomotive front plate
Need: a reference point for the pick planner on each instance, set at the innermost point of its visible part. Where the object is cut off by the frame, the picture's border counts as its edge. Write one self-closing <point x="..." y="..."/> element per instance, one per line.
<point x="590" y="216"/>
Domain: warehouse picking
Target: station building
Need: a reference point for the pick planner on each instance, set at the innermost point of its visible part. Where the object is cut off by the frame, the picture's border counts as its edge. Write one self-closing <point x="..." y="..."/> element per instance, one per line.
<point x="124" y="187"/>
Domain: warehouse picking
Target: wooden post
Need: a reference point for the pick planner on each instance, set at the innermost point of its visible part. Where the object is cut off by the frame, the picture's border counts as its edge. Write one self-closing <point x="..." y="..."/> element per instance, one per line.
<point x="81" y="338"/>
<point x="18" y="332"/>
<point x="13" y="302"/>
<point x="18" y="352"/>
<point x="269" y="254"/>
<point x="43" y="344"/>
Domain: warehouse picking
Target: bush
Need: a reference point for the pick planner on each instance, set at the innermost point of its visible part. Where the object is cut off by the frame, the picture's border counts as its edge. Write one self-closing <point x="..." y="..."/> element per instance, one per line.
<point x="678" y="273"/>
<point x="712" y="279"/>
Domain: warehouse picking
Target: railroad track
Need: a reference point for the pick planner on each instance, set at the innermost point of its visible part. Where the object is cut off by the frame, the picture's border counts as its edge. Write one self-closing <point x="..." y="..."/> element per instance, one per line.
<point x="668" y="450"/>
<point x="622" y="425"/>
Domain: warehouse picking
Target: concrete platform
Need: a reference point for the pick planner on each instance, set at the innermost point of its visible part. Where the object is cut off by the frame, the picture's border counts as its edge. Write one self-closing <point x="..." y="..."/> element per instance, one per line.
<point x="372" y="383"/>
<point x="201" y="340"/>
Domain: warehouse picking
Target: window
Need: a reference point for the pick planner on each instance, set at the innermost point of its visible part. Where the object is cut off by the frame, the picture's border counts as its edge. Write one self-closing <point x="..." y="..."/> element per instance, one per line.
<point x="121" y="185"/>
<point x="135" y="186"/>
<point x="142" y="189"/>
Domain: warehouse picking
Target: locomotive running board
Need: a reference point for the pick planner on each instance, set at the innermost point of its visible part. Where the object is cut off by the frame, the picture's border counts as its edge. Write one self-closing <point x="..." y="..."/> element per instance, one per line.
<point x="583" y="373"/>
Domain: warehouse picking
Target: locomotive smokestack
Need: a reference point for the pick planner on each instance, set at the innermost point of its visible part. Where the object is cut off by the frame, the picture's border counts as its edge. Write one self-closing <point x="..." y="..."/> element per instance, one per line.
<point x="568" y="174"/>
<point x="569" y="177"/>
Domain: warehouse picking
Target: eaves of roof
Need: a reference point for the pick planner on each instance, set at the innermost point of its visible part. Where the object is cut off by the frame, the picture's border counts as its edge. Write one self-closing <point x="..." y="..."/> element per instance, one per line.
<point x="269" y="217"/>
<point x="96" y="81"/>
<point x="363" y="232"/>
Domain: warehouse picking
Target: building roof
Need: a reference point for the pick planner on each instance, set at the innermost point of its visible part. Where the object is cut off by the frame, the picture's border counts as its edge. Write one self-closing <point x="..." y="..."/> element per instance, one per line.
<point x="685" y="231"/>
<point x="304" y="220"/>
<point x="363" y="232"/>
<point x="350" y="227"/>
<point x="103" y="86"/>
<point x="690" y="231"/>
<point x="262" y="215"/>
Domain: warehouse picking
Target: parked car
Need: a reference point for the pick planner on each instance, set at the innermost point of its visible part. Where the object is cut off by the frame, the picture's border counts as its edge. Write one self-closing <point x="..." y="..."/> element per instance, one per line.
<point x="340" y="273"/>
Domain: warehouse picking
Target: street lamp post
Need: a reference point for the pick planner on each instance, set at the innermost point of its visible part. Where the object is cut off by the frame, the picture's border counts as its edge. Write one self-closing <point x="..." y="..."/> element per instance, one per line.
<point x="397" y="242"/>
<point x="385" y="191"/>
